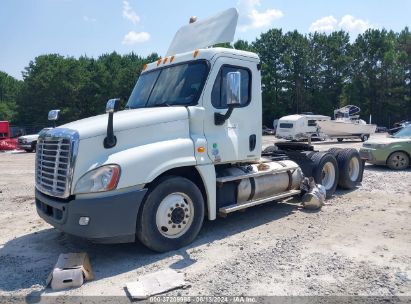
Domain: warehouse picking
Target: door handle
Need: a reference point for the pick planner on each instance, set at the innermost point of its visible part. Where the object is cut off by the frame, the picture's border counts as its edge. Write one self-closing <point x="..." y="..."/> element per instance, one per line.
<point x="252" y="142"/>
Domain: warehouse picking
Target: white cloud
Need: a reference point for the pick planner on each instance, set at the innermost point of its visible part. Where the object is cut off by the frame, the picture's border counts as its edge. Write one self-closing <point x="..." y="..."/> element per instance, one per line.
<point x="135" y="37"/>
<point x="129" y="13"/>
<point x="252" y="18"/>
<point x="347" y="23"/>
<point x="324" y="24"/>
<point x="350" y="24"/>
<point x="89" y="19"/>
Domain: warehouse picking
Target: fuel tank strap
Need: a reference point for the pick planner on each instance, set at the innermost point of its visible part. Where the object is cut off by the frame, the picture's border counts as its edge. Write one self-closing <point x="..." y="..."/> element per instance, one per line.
<point x="290" y="176"/>
<point x="252" y="192"/>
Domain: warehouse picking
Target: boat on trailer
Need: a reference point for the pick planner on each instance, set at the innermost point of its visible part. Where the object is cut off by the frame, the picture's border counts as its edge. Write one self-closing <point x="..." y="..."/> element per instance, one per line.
<point x="347" y="124"/>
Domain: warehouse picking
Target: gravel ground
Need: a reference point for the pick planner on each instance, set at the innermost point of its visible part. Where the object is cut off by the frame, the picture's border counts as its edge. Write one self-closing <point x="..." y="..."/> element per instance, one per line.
<point x="358" y="244"/>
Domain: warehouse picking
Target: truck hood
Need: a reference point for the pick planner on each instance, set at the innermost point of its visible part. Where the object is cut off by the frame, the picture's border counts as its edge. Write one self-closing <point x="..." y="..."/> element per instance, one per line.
<point x="126" y="119"/>
<point x="388" y="140"/>
<point x="29" y="137"/>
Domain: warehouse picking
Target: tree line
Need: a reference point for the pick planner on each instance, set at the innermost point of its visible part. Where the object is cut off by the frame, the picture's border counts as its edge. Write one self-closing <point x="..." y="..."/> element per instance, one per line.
<point x="300" y="73"/>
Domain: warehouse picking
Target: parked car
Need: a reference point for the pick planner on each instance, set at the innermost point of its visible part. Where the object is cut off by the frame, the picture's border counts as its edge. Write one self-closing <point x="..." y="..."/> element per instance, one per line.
<point x="29" y="142"/>
<point x="393" y="151"/>
<point x="268" y="131"/>
<point x="399" y="126"/>
<point x="381" y="129"/>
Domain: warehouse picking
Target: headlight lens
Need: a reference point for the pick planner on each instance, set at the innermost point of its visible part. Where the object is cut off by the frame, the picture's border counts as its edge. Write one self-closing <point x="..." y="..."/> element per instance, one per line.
<point x="380" y="146"/>
<point x="101" y="179"/>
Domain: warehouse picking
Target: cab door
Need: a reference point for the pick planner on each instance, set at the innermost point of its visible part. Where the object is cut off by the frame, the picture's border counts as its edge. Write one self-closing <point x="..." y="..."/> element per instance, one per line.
<point x="239" y="137"/>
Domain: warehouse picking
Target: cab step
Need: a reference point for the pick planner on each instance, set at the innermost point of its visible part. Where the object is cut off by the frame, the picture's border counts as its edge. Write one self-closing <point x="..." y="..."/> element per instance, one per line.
<point x="235" y="207"/>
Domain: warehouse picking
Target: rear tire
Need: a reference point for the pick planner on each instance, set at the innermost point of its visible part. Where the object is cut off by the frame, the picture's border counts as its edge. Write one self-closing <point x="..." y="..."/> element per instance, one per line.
<point x="398" y="161"/>
<point x="335" y="151"/>
<point x="340" y="139"/>
<point x="28" y="150"/>
<point x="325" y="171"/>
<point x="172" y="214"/>
<point x="350" y="167"/>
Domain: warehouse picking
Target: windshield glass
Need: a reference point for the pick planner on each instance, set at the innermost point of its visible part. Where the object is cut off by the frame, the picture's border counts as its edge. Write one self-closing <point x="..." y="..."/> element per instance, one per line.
<point x="175" y="85"/>
<point x="405" y="132"/>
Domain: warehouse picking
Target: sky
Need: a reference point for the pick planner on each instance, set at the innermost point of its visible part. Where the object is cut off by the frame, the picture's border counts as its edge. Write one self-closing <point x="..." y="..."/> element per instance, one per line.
<point x="29" y="28"/>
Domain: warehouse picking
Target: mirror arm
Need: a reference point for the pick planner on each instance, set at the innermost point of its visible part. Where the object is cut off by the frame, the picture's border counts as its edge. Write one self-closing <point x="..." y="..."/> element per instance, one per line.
<point x="110" y="140"/>
<point x="219" y="119"/>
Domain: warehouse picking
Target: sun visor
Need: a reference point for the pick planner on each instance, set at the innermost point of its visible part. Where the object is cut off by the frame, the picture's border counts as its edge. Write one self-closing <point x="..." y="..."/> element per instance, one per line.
<point x="217" y="29"/>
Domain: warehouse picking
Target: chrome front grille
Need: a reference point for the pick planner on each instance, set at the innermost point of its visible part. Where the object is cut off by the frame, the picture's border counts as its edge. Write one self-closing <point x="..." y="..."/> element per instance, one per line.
<point x="54" y="161"/>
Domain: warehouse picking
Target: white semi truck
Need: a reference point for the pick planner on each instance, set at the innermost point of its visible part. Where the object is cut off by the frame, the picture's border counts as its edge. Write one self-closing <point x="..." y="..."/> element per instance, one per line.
<point x="186" y="147"/>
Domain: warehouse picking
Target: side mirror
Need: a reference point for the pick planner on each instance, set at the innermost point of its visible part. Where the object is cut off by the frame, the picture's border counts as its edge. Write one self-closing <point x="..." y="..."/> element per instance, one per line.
<point x="53" y="115"/>
<point x="233" y="88"/>
<point x="233" y="93"/>
<point x="113" y="105"/>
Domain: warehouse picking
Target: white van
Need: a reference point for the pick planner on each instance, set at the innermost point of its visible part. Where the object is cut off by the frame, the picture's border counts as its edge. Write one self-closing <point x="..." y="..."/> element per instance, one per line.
<point x="299" y="126"/>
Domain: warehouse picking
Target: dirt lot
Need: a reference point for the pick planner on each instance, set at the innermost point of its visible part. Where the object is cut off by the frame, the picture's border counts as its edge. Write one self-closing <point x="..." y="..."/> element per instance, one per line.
<point x="358" y="244"/>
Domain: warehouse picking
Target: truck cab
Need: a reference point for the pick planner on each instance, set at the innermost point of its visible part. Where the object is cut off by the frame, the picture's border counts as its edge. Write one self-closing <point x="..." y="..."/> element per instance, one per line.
<point x="167" y="128"/>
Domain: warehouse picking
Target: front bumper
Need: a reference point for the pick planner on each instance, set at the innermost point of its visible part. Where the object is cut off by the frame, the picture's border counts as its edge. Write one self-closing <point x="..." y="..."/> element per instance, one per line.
<point x="112" y="218"/>
<point x="373" y="156"/>
<point x="24" y="146"/>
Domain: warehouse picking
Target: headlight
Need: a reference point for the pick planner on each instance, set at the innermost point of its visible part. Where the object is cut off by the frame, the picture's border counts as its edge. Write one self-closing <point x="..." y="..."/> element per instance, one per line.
<point x="380" y="146"/>
<point x="101" y="179"/>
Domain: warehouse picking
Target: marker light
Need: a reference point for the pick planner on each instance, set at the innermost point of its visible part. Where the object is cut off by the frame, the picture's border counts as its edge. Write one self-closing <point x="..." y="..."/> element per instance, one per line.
<point x="195" y="53"/>
<point x="144" y="67"/>
<point x="200" y="149"/>
<point x="165" y="60"/>
<point x="171" y="59"/>
<point x="158" y="62"/>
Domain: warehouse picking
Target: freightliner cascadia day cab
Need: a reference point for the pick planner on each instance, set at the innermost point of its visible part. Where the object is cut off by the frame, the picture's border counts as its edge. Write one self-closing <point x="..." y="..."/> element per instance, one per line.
<point x="186" y="147"/>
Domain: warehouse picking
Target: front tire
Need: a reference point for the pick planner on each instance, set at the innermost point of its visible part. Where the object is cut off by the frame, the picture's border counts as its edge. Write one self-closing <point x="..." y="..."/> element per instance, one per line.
<point x="398" y="161"/>
<point x="33" y="146"/>
<point x="365" y="137"/>
<point x="172" y="214"/>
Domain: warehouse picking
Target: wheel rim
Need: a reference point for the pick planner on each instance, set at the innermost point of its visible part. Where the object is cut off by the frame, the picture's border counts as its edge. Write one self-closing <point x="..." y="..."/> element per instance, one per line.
<point x="399" y="161"/>
<point x="328" y="175"/>
<point x="353" y="169"/>
<point x="175" y="215"/>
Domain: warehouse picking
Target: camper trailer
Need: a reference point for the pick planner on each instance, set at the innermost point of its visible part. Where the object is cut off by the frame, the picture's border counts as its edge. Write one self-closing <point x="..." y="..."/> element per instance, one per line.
<point x="299" y="126"/>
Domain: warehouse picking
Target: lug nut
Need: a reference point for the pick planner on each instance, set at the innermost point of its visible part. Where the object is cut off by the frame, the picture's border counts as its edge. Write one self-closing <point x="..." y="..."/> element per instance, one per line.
<point x="179" y="226"/>
<point x="169" y="215"/>
<point x="187" y="216"/>
<point x="170" y="222"/>
<point x="186" y="209"/>
<point x="174" y="226"/>
<point x="184" y="222"/>
<point x="177" y="205"/>
<point x="171" y="208"/>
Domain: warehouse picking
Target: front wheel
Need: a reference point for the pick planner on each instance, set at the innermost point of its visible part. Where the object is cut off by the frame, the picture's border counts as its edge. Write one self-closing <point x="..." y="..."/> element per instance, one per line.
<point x="398" y="161"/>
<point x="364" y="137"/>
<point x="172" y="214"/>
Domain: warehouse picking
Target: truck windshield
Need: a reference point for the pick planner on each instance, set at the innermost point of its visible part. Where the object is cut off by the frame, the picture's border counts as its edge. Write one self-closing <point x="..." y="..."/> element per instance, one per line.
<point x="175" y="85"/>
